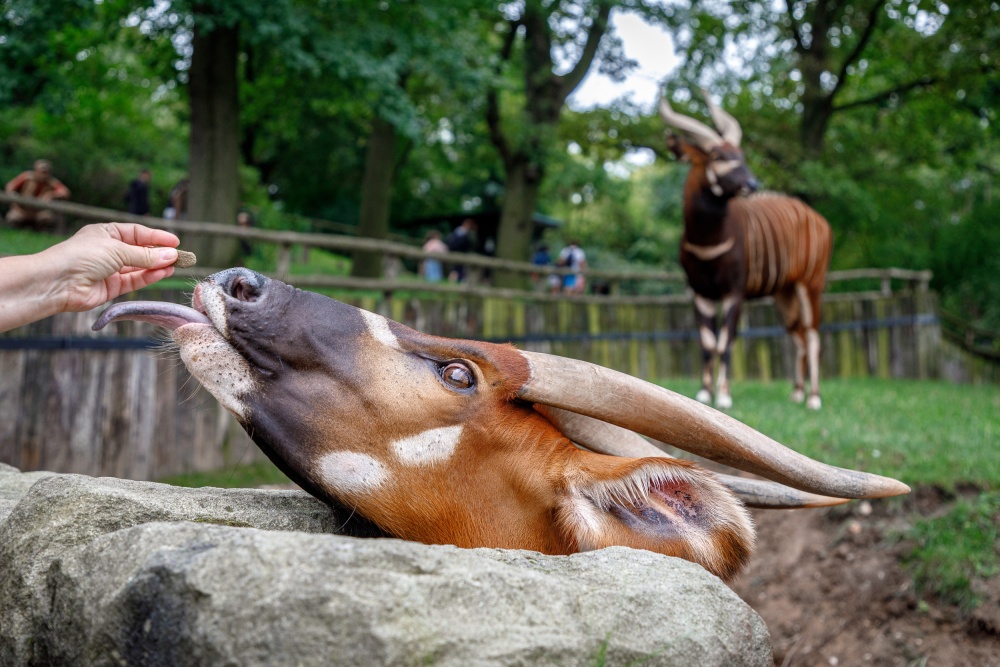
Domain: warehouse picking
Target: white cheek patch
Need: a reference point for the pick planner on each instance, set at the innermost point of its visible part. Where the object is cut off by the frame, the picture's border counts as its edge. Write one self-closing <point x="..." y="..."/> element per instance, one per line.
<point x="216" y="365"/>
<point x="352" y="472"/>
<point x="378" y="327"/>
<point x="429" y="447"/>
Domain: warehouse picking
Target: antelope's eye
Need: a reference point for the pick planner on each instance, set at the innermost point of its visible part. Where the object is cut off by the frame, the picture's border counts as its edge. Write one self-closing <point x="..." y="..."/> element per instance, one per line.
<point x="458" y="376"/>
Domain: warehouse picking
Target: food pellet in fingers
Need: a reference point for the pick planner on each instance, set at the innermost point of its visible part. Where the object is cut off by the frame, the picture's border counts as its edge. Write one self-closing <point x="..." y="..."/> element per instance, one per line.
<point x="185" y="259"/>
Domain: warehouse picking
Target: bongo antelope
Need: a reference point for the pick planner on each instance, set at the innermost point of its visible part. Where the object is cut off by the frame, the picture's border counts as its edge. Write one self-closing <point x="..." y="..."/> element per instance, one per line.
<point x="476" y="444"/>
<point x="738" y="247"/>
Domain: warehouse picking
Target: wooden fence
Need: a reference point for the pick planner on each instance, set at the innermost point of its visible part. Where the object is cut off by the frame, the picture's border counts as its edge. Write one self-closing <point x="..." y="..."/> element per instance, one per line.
<point x="113" y="403"/>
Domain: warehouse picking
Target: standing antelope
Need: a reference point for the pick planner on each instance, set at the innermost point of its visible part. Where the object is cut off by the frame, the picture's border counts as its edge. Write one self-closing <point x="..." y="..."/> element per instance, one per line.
<point x="738" y="247"/>
<point x="467" y="443"/>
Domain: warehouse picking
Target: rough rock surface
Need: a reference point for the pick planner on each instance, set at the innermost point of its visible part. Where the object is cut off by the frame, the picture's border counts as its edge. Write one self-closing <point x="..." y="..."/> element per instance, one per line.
<point x="114" y="572"/>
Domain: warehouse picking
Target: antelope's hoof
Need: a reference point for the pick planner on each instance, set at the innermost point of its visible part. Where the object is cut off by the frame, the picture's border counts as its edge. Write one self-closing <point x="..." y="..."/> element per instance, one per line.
<point x="814" y="402"/>
<point x="724" y="402"/>
<point x="704" y="396"/>
<point x="798" y="396"/>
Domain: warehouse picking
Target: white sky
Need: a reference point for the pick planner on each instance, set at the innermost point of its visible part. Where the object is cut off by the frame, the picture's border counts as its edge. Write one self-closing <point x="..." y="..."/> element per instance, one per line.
<point x="651" y="47"/>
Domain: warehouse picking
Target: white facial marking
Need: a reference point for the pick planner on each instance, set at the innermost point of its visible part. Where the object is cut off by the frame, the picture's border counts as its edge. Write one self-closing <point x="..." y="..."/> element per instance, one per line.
<point x="716" y="190"/>
<point x="429" y="447"/>
<point x="723" y="167"/>
<point x="378" y="326"/>
<point x="216" y="365"/>
<point x="352" y="472"/>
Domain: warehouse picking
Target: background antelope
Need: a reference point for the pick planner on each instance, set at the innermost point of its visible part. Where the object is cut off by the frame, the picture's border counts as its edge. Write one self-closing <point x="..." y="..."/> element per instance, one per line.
<point x="738" y="247"/>
<point x="457" y="442"/>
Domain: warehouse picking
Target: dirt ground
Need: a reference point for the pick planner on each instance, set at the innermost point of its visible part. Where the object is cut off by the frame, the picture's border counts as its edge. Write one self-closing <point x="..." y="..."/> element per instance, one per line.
<point x="833" y="592"/>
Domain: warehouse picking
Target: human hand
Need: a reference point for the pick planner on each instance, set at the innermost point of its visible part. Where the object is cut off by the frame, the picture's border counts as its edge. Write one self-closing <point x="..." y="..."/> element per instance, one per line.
<point x="104" y="261"/>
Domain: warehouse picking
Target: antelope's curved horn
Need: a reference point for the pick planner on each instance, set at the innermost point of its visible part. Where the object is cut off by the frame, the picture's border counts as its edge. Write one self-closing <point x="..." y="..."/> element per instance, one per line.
<point x="728" y="126"/>
<point x="604" y="438"/>
<point x="661" y="414"/>
<point x="697" y="131"/>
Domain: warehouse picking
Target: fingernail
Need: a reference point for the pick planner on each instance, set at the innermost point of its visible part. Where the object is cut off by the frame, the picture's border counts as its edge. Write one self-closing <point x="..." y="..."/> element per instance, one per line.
<point x="168" y="254"/>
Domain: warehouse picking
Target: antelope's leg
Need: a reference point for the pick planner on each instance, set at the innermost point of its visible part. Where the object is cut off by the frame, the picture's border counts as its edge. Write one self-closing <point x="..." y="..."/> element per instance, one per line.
<point x="810" y="320"/>
<point x="730" y="320"/>
<point x="705" y="317"/>
<point x="789" y="305"/>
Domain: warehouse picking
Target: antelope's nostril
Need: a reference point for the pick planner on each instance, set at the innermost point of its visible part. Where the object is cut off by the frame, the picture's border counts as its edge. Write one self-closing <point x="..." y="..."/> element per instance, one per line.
<point x="243" y="290"/>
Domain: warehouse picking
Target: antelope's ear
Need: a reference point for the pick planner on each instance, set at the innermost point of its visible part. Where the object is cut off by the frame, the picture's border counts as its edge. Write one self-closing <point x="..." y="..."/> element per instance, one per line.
<point x="669" y="506"/>
<point x="680" y="149"/>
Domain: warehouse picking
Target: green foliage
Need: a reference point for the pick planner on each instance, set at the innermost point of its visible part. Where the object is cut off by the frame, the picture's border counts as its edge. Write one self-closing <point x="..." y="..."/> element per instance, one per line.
<point x="951" y="551"/>
<point x="240" y="476"/>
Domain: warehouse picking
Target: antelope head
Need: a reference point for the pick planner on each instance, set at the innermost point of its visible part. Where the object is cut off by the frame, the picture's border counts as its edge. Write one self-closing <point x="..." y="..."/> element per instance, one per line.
<point x="472" y="444"/>
<point x="716" y="158"/>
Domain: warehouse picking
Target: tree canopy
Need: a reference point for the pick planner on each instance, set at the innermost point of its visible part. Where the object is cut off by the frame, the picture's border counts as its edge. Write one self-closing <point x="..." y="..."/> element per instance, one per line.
<point x="881" y="113"/>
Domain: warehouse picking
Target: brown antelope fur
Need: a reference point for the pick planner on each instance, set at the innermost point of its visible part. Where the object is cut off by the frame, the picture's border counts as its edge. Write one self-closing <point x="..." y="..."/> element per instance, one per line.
<point x="358" y="410"/>
<point x="738" y="246"/>
<point x="448" y="441"/>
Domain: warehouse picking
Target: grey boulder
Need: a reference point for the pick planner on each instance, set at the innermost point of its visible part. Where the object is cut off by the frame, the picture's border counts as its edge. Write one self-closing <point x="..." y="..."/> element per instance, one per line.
<point x="115" y="572"/>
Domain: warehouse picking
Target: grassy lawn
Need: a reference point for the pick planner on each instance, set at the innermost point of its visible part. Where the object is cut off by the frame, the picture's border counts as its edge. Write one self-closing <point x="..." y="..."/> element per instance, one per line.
<point x="23" y="242"/>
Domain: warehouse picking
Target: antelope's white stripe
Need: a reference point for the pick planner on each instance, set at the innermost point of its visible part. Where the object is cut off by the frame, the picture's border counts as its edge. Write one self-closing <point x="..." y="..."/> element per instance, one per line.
<point x="432" y="446"/>
<point x="352" y="472"/>
<point x="378" y="327"/>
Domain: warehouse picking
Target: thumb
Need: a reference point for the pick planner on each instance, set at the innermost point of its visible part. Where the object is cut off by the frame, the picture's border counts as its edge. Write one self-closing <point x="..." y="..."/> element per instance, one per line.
<point x="147" y="258"/>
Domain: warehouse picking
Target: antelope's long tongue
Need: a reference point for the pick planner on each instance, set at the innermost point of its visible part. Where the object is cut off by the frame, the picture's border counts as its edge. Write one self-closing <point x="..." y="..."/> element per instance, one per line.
<point x="166" y="315"/>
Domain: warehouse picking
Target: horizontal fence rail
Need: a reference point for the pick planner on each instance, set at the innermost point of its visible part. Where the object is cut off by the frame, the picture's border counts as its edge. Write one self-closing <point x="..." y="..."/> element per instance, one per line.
<point x="119" y="402"/>
<point x="285" y="240"/>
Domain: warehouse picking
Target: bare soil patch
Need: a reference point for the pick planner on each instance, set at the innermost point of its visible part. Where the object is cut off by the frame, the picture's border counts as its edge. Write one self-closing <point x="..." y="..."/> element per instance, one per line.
<point x="833" y="591"/>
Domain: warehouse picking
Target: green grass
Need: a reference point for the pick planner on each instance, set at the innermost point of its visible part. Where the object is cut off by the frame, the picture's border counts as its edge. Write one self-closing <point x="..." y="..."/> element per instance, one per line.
<point x="950" y="551"/>
<point x="23" y="242"/>
<point x="237" y="477"/>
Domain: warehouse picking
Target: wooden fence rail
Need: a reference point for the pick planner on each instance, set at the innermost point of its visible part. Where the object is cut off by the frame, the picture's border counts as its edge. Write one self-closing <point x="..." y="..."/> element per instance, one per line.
<point x="285" y="241"/>
<point x="113" y="403"/>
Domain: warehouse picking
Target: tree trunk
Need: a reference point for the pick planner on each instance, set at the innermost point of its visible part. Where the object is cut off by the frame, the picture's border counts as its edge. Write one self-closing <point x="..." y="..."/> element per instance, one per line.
<point x="214" y="194"/>
<point x="376" y="192"/>
<point x="516" y="219"/>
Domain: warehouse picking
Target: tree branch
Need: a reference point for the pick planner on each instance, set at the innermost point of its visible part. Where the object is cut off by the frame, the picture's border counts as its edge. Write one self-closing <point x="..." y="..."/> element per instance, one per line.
<point x="859" y="48"/>
<point x="492" y="97"/>
<point x="922" y="82"/>
<point x="569" y="81"/>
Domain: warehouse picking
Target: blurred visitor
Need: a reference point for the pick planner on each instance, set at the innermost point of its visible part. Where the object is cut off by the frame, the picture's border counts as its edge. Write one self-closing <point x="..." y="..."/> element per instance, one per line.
<point x="245" y="220"/>
<point x="462" y="239"/>
<point x="432" y="269"/>
<point x="40" y="184"/>
<point x="137" y="197"/>
<point x="552" y="281"/>
<point x="573" y="257"/>
<point x="177" y="201"/>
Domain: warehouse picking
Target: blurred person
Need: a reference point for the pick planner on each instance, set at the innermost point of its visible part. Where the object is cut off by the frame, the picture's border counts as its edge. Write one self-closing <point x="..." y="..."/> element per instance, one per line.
<point x="245" y="220"/>
<point x="137" y="197"/>
<point x="432" y="269"/>
<point x="178" y="199"/>
<point x="542" y="257"/>
<point x="40" y="184"/>
<point x="98" y="263"/>
<point x="573" y="257"/>
<point x="462" y="239"/>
